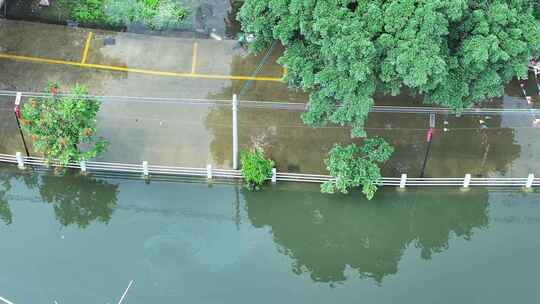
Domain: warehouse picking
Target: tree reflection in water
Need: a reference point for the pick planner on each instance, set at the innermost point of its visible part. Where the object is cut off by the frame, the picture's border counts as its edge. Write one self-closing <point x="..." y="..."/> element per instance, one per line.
<point x="8" y="174"/>
<point x="77" y="199"/>
<point x="5" y="212"/>
<point x="324" y="234"/>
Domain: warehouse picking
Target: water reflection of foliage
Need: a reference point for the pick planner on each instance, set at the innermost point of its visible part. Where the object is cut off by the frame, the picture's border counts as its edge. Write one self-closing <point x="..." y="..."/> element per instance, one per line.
<point x="325" y="235"/>
<point x="76" y="199"/>
<point x="5" y="212"/>
<point x="79" y="199"/>
<point x="468" y="146"/>
<point x="7" y="175"/>
<point x="282" y="135"/>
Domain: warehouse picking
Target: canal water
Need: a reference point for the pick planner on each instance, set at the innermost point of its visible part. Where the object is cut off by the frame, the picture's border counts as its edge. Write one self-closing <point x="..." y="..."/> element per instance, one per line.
<point x="81" y="239"/>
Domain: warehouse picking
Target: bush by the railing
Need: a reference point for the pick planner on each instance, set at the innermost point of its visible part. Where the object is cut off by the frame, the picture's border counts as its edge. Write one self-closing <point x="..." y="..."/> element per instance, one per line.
<point x="256" y="168"/>
<point x="353" y="166"/>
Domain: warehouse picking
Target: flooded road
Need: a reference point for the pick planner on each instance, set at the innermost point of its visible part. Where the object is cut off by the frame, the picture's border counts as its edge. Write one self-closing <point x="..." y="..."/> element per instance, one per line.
<point x="79" y="239"/>
<point x="190" y="135"/>
<point x="198" y="133"/>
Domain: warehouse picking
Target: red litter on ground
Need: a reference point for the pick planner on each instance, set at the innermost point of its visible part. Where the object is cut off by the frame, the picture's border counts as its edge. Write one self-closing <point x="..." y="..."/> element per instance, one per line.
<point x="17" y="111"/>
<point x="429" y="135"/>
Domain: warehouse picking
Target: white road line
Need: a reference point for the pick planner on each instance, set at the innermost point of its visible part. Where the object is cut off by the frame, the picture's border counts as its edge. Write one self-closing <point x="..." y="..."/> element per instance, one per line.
<point x="123" y="295"/>
<point x="6" y="301"/>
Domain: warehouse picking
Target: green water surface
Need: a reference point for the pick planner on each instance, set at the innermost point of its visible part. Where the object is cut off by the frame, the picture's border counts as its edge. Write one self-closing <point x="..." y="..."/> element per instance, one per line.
<point x="77" y="239"/>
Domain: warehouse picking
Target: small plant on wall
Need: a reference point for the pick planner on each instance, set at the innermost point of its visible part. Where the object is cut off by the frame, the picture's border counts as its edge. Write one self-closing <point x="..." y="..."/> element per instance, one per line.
<point x="61" y="123"/>
<point x="256" y="168"/>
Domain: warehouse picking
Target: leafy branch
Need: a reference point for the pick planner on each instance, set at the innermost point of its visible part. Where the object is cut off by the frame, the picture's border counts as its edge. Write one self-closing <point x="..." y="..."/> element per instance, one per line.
<point x="354" y="166"/>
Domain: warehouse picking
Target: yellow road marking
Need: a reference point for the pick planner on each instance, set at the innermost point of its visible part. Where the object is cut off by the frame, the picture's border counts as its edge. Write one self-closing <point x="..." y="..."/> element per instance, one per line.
<point x="133" y="70"/>
<point x="284" y="72"/>
<point x="86" y="47"/>
<point x="194" y="58"/>
<point x="37" y="59"/>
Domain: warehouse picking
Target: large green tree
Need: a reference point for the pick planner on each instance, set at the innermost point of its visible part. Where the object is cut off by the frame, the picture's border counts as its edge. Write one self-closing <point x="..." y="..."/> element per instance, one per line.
<point x="454" y="53"/>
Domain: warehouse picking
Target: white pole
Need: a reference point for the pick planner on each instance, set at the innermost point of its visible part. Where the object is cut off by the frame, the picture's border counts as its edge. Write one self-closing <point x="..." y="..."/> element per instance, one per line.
<point x="274" y="175"/>
<point x="530" y="181"/>
<point x="403" y="181"/>
<point x="146" y="172"/>
<point x="209" y="171"/>
<point x="125" y="292"/>
<point x="235" y="131"/>
<point x="467" y="180"/>
<point x="83" y="166"/>
<point x="20" y="160"/>
<point x="5" y="300"/>
<point x="432" y="120"/>
<point x="18" y="98"/>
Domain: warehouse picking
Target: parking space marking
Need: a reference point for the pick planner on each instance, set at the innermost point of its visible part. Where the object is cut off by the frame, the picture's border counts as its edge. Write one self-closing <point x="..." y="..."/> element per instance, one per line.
<point x="86" y="47"/>
<point x="134" y="70"/>
<point x="194" y="58"/>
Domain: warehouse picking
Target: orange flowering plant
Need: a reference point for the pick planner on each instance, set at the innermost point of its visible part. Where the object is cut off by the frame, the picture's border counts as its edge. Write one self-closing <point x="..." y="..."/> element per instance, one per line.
<point x="61" y="124"/>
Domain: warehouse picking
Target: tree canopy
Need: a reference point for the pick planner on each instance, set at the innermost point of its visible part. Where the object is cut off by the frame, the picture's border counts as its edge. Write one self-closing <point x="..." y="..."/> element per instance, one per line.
<point x="454" y="52"/>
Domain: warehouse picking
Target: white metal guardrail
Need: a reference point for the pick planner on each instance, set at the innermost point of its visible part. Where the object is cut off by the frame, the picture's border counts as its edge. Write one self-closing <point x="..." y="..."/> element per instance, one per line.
<point x="146" y="170"/>
<point x="535" y="68"/>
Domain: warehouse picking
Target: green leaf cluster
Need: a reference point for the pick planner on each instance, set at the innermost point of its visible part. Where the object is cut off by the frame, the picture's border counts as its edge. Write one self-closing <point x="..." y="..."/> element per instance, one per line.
<point x="354" y="166"/>
<point x="256" y="168"/>
<point x="454" y="52"/>
<point x="60" y="124"/>
<point x="156" y="14"/>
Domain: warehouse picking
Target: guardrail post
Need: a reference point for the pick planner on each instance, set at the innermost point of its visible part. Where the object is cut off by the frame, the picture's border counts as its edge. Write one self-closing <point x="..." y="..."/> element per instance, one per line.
<point x="274" y="175"/>
<point x="146" y="171"/>
<point x="83" y="166"/>
<point x="20" y="160"/>
<point x="403" y="181"/>
<point x="235" y="131"/>
<point x="209" y="171"/>
<point x="530" y="180"/>
<point x="466" y="181"/>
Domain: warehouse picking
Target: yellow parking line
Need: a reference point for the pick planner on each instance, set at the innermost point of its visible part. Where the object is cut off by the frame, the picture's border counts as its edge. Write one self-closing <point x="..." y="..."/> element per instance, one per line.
<point x="86" y="47"/>
<point x="37" y="59"/>
<point x="133" y="70"/>
<point x="194" y="58"/>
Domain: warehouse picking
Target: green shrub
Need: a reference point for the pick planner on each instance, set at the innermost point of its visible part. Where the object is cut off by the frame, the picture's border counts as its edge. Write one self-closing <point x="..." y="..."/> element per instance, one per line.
<point x="354" y="166"/>
<point x="256" y="168"/>
<point x="89" y="11"/>
<point x="60" y="124"/>
<point x="156" y="14"/>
